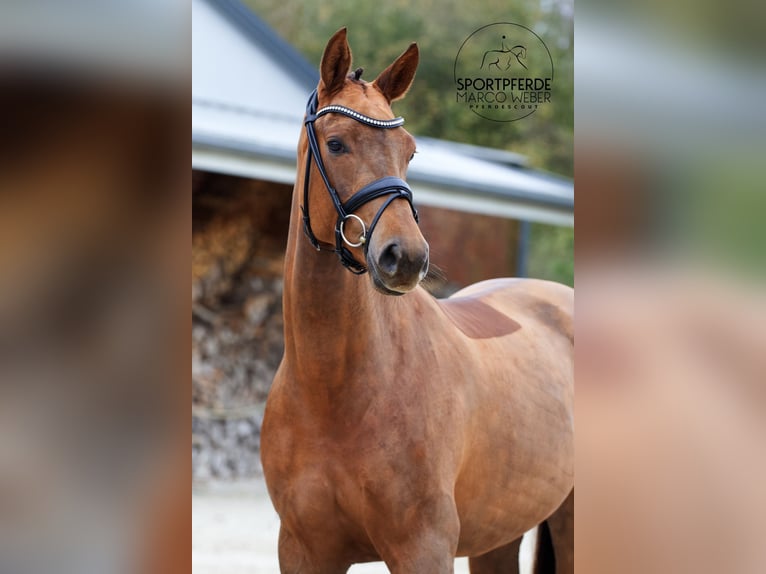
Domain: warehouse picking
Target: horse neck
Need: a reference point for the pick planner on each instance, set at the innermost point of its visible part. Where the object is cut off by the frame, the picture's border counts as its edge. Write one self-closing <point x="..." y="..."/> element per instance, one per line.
<point x="333" y="318"/>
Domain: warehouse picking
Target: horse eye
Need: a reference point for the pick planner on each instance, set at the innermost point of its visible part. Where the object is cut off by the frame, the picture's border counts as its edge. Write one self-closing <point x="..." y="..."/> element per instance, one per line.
<point x="335" y="146"/>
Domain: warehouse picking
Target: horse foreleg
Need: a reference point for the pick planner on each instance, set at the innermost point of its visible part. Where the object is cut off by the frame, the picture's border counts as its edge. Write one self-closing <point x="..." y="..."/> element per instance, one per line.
<point x="503" y="560"/>
<point x="561" y="525"/>
<point x="427" y="554"/>
<point x="294" y="558"/>
<point x="291" y="554"/>
<point x="424" y="543"/>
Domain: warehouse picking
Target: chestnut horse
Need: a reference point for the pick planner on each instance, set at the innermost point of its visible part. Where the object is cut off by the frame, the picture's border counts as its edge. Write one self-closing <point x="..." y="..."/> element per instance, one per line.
<point x="399" y="427"/>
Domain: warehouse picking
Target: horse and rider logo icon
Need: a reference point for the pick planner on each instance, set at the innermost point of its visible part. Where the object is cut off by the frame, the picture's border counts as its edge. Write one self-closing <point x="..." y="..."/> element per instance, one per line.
<point x="506" y="56"/>
<point x="503" y="72"/>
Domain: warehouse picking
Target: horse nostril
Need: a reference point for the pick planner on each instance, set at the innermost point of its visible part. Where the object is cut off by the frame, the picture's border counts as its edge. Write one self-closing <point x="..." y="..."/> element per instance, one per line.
<point x="388" y="261"/>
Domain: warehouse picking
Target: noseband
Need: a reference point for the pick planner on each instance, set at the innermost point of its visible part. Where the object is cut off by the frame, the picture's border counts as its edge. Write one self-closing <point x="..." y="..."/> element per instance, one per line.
<point x="393" y="187"/>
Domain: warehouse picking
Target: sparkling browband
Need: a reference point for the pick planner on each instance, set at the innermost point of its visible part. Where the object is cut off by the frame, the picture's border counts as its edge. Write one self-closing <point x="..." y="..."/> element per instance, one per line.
<point x="337" y="109"/>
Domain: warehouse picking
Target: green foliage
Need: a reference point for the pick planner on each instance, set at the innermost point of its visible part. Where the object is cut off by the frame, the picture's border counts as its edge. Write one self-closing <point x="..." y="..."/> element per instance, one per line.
<point x="380" y="31"/>
<point x="551" y="253"/>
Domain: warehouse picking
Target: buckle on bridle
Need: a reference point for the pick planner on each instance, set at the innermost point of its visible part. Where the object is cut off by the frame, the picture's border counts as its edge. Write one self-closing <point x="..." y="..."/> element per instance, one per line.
<point x="362" y="237"/>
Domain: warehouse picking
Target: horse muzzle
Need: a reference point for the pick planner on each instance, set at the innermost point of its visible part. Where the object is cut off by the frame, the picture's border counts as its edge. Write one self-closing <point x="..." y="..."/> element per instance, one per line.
<point x="397" y="267"/>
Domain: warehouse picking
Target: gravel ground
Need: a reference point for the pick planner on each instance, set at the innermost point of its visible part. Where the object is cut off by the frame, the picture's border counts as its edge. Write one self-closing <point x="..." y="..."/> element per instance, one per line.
<point x="235" y="530"/>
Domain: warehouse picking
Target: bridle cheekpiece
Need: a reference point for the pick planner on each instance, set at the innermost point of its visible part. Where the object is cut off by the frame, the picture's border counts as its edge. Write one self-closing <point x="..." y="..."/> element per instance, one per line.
<point x="393" y="187"/>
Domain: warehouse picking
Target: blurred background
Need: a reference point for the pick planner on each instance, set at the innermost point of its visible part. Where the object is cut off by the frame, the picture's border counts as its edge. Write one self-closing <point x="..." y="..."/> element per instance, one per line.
<point x="671" y="323"/>
<point x="94" y="227"/>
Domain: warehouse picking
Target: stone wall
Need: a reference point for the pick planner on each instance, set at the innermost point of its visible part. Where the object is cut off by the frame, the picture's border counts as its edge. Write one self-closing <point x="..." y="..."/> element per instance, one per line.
<point x="238" y="243"/>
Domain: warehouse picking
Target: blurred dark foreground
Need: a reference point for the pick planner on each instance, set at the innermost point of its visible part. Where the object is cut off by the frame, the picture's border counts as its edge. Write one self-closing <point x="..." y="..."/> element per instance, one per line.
<point x="94" y="230"/>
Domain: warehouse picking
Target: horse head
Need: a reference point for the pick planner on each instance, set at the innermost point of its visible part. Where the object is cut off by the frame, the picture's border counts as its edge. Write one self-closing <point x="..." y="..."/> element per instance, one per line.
<point x="363" y="158"/>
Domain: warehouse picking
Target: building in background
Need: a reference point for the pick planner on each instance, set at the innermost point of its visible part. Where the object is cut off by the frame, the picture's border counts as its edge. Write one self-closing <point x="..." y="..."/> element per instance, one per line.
<point x="249" y="92"/>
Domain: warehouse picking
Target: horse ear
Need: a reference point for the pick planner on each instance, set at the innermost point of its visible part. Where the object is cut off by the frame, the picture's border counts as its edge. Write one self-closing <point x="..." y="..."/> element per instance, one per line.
<point x="336" y="62"/>
<point x="394" y="81"/>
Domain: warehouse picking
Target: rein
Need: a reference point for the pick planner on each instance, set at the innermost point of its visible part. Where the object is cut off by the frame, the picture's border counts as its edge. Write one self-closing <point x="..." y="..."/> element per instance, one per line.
<point x="393" y="187"/>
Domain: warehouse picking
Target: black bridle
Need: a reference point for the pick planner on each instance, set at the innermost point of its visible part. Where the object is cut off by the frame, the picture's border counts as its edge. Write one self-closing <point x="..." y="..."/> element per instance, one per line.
<point x="393" y="187"/>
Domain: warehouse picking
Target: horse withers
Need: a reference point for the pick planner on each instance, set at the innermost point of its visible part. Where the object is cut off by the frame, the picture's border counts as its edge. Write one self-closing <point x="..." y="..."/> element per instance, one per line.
<point x="400" y="427"/>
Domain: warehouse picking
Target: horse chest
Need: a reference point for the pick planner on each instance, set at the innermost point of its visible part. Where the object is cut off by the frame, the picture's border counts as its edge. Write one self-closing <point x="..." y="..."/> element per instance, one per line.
<point x="332" y="471"/>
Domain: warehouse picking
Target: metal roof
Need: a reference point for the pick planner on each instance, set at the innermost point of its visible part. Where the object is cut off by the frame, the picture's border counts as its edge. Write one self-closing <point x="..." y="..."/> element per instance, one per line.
<point x="249" y="90"/>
